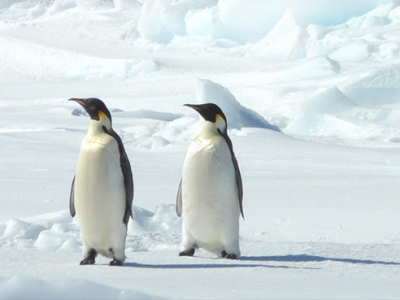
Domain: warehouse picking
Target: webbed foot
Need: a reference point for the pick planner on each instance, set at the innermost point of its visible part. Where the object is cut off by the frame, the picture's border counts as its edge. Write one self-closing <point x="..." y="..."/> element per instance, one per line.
<point x="115" y="262"/>
<point x="189" y="252"/>
<point x="90" y="259"/>
<point x="228" y="256"/>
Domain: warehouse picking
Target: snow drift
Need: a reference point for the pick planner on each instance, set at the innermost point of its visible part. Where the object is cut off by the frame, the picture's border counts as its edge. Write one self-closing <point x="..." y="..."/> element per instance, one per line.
<point x="237" y="115"/>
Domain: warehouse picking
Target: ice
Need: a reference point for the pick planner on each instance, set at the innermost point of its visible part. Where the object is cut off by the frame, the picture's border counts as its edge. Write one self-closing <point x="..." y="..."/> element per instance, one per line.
<point x="161" y="20"/>
<point x="58" y="232"/>
<point x="17" y="229"/>
<point x="59" y="237"/>
<point x="286" y="41"/>
<point x="331" y="113"/>
<point x="53" y="65"/>
<point x="311" y="93"/>
<point x="164" y="219"/>
<point x="28" y="287"/>
<point x="376" y="88"/>
<point x="354" y="51"/>
<point x="237" y="115"/>
<point x="227" y="19"/>
<point x="149" y="114"/>
<point x="61" y="5"/>
<point x="330" y="101"/>
<point x="316" y="67"/>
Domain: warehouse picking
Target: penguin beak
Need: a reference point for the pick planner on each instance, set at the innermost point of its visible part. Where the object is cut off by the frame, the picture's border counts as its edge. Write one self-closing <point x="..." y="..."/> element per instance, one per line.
<point x="199" y="109"/>
<point x="80" y="101"/>
<point x="195" y="107"/>
<point x="92" y="111"/>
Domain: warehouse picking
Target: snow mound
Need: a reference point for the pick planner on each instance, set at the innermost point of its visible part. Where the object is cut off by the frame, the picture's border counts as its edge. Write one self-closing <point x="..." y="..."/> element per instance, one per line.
<point x="149" y="114"/>
<point x="29" y="287"/>
<point x="153" y="130"/>
<point x="161" y="20"/>
<point x="137" y="114"/>
<point x="43" y="62"/>
<point x="353" y="51"/>
<point x="285" y="42"/>
<point x="61" y="236"/>
<point x="376" y="88"/>
<point x="164" y="219"/>
<point x="237" y="115"/>
<point x="319" y="113"/>
<point x="148" y="135"/>
<point x="329" y="101"/>
<point x="59" y="232"/>
<point x="316" y="67"/>
<point x="51" y="232"/>
<point x="330" y="113"/>
<point x="21" y="10"/>
<point x="377" y="17"/>
<point x="17" y="229"/>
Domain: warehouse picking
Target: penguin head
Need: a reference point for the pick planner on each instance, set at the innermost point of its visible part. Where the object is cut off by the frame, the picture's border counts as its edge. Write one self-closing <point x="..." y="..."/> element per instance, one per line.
<point x="211" y="113"/>
<point x="96" y="109"/>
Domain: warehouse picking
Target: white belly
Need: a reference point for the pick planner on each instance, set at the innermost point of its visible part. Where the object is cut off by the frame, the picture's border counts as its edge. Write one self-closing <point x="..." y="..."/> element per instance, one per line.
<point x="210" y="205"/>
<point x="100" y="194"/>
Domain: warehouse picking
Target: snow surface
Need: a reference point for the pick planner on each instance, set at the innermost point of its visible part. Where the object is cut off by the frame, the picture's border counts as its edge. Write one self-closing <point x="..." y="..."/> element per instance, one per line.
<point x="311" y="91"/>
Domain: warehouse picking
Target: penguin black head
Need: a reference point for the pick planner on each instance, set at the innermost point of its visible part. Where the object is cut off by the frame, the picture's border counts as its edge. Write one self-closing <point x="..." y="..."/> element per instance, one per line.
<point x="94" y="107"/>
<point x="212" y="113"/>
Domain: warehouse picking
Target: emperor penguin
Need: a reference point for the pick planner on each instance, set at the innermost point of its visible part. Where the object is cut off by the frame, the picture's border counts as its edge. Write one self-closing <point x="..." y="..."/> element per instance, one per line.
<point x="210" y="193"/>
<point x="102" y="189"/>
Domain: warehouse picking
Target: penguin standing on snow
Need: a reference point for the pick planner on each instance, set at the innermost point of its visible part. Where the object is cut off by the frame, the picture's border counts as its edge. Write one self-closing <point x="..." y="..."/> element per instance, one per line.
<point x="210" y="193"/>
<point x="102" y="189"/>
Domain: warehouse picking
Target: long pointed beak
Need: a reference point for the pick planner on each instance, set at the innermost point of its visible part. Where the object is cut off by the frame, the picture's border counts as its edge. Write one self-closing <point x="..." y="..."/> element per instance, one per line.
<point x="194" y="106"/>
<point x="78" y="100"/>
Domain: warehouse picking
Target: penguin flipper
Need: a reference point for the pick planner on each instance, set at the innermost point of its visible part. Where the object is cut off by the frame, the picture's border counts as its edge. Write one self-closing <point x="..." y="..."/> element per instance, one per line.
<point x="72" y="199"/>
<point x="179" y="200"/>
<point x="238" y="176"/>
<point x="127" y="172"/>
<point x="239" y="183"/>
<point x="128" y="182"/>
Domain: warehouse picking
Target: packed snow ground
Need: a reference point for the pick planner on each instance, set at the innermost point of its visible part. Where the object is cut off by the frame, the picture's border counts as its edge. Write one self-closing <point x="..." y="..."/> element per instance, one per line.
<point x="312" y="100"/>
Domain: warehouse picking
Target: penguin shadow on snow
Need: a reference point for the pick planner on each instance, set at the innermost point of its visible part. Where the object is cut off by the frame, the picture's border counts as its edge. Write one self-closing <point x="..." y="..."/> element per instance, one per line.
<point x="203" y="266"/>
<point x="314" y="258"/>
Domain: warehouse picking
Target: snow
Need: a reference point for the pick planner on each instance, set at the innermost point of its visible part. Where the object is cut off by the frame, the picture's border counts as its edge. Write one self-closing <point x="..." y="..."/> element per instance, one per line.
<point x="238" y="116"/>
<point x="311" y="93"/>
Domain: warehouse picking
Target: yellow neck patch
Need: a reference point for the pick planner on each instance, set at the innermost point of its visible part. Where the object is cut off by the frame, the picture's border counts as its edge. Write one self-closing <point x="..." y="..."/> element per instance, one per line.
<point x="218" y="118"/>
<point x="101" y="114"/>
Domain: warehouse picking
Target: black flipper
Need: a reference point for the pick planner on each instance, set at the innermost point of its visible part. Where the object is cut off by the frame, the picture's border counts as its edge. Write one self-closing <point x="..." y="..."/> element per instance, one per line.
<point x="72" y="199"/>
<point x="127" y="172"/>
<point x="238" y="176"/>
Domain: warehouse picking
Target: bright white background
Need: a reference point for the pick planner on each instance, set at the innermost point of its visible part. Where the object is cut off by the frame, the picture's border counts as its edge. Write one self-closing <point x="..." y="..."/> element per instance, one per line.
<point x="311" y="90"/>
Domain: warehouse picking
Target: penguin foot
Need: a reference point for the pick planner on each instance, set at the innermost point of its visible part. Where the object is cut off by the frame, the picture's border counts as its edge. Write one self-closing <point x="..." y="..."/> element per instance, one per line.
<point x="87" y="261"/>
<point x="189" y="252"/>
<point x="115" y="262"/>
<point x="228" y="256"/>
<point x="90" y="259"/>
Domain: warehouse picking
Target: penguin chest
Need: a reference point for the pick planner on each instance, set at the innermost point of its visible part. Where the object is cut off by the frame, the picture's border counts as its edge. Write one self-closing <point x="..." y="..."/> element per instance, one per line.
<point x="209" y="192"/>
<point x="99" y="188"/>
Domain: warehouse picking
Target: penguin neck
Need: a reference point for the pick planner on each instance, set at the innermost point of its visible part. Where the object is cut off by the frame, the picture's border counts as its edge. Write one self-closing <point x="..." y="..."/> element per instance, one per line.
<point x="97" y="127"/>
<point x="210" y="129"/>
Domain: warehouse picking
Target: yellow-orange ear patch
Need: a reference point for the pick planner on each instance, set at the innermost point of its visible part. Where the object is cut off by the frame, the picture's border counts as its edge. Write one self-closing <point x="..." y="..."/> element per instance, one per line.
<point x="218" y="117"/>
<point x="101" y="114"/>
